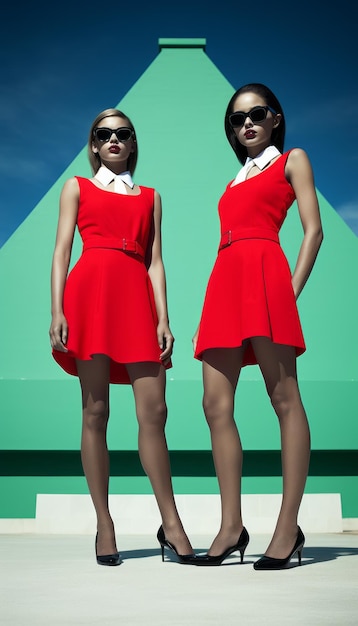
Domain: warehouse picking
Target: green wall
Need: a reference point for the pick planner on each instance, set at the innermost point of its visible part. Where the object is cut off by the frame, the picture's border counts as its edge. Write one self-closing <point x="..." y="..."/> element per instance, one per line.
<point x="177" y="107"/>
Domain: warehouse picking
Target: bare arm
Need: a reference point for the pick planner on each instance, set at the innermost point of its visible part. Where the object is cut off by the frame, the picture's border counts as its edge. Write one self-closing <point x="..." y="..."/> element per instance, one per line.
<point x="157" y="276"/>
<point x="300" y="175"/>
<point x="61" y="258"/>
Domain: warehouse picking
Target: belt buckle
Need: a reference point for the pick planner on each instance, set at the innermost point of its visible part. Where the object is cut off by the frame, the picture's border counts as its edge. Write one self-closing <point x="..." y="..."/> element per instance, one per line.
<point x="229" y="239"/>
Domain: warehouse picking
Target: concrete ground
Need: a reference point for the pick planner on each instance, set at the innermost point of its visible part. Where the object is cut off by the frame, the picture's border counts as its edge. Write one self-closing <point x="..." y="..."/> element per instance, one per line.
<point x="54" y="580"/>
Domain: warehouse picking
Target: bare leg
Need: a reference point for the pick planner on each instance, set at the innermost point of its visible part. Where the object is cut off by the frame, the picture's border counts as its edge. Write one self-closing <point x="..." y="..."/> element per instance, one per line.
<point x="148" y="381"/>
<point x="94" y="379"/>
<point x="278" y="366"/>
<point x="221" y="369"/>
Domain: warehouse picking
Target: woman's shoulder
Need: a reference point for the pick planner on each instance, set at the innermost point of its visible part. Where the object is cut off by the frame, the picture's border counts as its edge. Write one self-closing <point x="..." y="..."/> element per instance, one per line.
<point x="148" y="192"/>
<point x="296" y="150"/>
<point x="296" y="155"/>
<point x="298" y="170"/>
<point x="82" y="179"/>
<point x="74" y="181"/>
<point x="71" y="186"/>
<point x="147" y="189"/>
<point x="297" y="158"/>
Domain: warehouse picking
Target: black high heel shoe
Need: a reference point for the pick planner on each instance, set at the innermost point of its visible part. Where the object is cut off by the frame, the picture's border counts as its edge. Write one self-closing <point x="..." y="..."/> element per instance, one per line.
<point x="267" y="562"/>
<point x="107" y="559"/>
<point x="240" y="546"/>
<point x="188" y="559"/>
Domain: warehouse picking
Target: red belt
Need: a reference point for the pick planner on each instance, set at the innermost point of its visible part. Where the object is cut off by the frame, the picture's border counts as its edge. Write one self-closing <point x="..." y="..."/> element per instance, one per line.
<point x="116" y="243"/>
<point x="230" y="236"/>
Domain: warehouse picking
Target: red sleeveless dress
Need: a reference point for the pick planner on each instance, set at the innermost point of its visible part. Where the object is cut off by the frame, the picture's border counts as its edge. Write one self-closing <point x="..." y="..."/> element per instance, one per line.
<point x="108" y="297"/>
<point x="249" y="293"/>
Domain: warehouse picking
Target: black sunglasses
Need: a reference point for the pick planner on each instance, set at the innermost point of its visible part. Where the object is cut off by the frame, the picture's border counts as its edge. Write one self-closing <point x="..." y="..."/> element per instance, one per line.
<point x="123" y="134"/>
<point x="257" y="114"/>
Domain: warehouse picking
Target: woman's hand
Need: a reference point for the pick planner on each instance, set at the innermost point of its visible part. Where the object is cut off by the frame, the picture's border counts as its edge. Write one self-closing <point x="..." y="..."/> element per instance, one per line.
<point x="58" y="332"/>
<point x="166" y="342"/>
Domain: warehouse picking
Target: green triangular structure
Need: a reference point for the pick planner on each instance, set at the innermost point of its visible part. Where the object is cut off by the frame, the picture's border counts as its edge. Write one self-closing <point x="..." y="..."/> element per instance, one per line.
<point x="177" y="107"/>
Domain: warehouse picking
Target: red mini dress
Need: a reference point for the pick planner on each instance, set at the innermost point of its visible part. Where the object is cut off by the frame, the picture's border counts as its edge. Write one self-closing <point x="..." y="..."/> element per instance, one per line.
<point x="249" y="292"/>
<point x="108" y="298"/>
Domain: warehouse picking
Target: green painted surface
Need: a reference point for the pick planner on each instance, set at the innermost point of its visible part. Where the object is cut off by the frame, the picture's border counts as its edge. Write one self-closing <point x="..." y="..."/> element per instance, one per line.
<point x="178" y="108"/>
<point x="46" y="415"/>
<point x="18" y="494"/>
<point x="183" y="153"/>
<point x="182" y="43"/>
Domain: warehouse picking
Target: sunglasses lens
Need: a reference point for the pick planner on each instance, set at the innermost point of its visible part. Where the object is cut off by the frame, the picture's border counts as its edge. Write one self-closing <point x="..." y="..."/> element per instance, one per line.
<point x="124" y="134"/>
<point x="236" y="119"/>
<point x="258" y="114"/>
<point x="103" y="134"/>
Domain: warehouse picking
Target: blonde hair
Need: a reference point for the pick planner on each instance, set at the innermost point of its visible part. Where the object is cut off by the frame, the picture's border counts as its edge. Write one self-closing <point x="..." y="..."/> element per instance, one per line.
<point x="94" y="158"/>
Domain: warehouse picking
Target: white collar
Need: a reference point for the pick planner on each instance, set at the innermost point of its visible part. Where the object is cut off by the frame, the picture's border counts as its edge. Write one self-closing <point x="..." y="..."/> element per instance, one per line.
<point x="105" y="177"/>
<point x="261" y="160"/>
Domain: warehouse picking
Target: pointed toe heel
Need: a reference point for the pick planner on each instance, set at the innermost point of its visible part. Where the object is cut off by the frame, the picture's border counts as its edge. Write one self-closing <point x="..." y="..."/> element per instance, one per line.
<point x="240" y="546"/>
<point x="188" y="559"/>
<point x="107" y="559"/>
<point x="269" y="563"/>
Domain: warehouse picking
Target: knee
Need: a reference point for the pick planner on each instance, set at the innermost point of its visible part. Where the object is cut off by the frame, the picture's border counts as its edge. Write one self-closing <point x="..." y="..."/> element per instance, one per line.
<point x="284" y="402"/>
<point x="280" y="404"/>
<point x="217" y="410"/>
<point x="154" y="415"/>
<point x="95" y="416"/>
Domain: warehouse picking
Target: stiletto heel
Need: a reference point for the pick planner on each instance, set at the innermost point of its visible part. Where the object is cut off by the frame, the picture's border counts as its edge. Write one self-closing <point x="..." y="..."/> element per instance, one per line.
<point x="162" y="548"/>
<point x="240" y="546"/>
<point x="107" y="559"/>
<point x="188" y="559"/>
<point x="299" y="554"/>
<point x="269" y="563"/>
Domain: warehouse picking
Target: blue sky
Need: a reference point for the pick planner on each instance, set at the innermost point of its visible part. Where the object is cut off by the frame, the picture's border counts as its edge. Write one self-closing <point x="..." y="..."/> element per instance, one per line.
<point x="62" y="64"/>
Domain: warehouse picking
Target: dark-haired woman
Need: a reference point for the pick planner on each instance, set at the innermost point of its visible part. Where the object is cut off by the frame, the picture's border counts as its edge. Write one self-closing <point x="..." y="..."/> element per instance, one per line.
<point x="250" y="315"/>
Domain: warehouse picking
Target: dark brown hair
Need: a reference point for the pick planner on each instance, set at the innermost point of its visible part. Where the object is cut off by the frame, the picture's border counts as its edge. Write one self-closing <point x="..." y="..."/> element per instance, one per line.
<point x="278" y="133"/>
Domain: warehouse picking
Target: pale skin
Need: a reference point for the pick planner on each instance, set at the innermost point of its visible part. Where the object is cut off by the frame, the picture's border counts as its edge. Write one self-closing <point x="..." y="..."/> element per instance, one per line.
<point x="222" y="367"/>
<point x="147" y="379"/>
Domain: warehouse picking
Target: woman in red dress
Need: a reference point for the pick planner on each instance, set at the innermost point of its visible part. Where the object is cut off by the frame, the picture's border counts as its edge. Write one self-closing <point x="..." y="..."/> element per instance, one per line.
<point x="110" y="319"/>
<point x="250" y="315"/>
